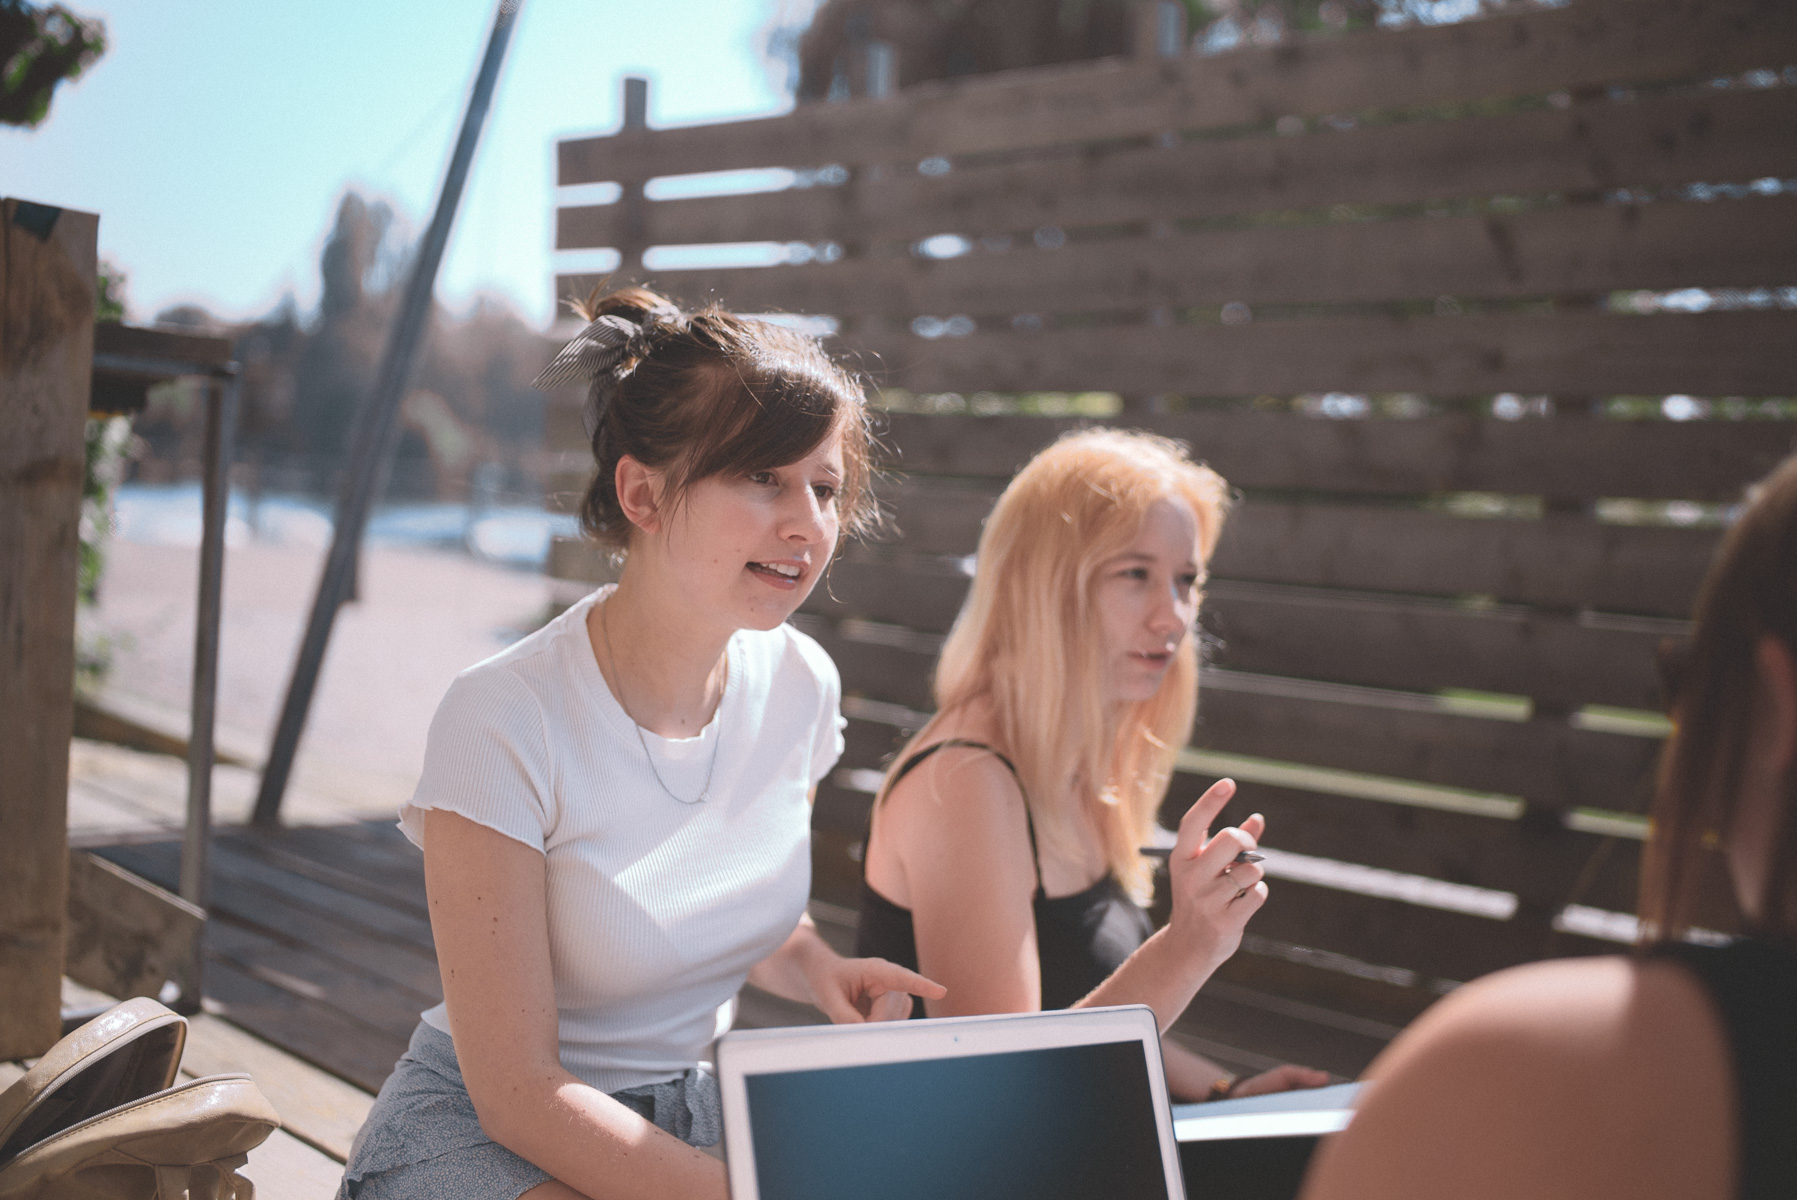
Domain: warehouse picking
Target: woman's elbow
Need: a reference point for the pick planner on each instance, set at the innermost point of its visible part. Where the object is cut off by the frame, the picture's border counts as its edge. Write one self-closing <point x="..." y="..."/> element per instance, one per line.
<point x="512" y="1103"/>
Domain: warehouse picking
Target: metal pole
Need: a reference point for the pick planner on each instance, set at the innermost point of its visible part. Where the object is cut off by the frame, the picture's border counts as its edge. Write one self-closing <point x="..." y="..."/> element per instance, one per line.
<point x="379" y="432"/>
<point x="221" y="435"/>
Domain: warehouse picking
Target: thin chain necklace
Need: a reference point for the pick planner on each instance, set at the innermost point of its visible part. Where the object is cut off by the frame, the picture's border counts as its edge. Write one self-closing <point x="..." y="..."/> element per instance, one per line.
<point x="617" y="685"/>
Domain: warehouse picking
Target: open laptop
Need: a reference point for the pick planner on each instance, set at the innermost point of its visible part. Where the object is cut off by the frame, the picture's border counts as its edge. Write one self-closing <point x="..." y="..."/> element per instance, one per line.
<point x="1065" y="1105"/>
<point x="1258" y="1148"/>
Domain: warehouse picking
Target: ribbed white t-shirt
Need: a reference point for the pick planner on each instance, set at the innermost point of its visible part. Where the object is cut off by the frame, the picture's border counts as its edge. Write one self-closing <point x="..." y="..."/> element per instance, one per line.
<point x="657" y="909"/>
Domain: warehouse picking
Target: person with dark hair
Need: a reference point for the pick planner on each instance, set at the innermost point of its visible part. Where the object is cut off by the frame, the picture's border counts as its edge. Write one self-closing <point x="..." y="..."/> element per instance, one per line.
<point x="614" y="811"/>
<point x="1672" y="1073"/>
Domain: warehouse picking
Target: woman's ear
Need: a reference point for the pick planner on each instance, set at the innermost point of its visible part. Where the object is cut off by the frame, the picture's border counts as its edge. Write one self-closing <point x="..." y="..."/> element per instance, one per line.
<point x="639" y="493"/>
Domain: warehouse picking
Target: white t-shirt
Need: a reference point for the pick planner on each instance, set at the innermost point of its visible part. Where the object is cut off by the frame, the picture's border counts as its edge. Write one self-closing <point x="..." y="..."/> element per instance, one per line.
<point x="657" y="909"/>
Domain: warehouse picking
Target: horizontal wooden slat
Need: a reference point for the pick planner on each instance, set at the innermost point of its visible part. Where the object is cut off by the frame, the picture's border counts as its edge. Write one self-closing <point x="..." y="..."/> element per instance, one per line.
<point x="933" y="515"/>
<point x="1545" y="865"/>
<point x="1424" y="647"/>
<point x="1572" y="353"/>
<point x="1432" y="942"/>
<point x="1373" y="999"/>
<point x="1578" y="353"/>
<point x="1699" y="460"/>
<point x="1710" y="137"/>
<point x="918" y="596"/>
<point x="1557" y="251"/>
<point x="1591" y="44"/>
<point x="1556" y="561"/>
<point x="889" y="673"/>
<point x="1565" y="562"/>
<point x="1346" y="637"/>
<point x="179" y="348"/>
<point x="1549" y="762"/>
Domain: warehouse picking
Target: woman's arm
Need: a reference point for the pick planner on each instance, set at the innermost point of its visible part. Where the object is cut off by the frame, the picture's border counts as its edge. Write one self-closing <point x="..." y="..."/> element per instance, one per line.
<point x="489" y="917"/>
<point x="847" y="990"/>
<point x="1208" y="912"/>
<point x="955" y="833"/>
<point x="1191" y="1077"/>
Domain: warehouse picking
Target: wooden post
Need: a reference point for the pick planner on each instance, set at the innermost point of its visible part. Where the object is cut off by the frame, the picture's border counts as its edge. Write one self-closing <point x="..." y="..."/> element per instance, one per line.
<point x="1159" y="29"/>
<point x="46" y="362"/>
<point x="635" y="239"/>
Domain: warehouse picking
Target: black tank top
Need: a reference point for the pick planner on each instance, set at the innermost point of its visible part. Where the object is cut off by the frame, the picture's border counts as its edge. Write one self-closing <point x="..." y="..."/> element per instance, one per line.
<point x="1080" y="939"/>
<point x="1754" y="988"/>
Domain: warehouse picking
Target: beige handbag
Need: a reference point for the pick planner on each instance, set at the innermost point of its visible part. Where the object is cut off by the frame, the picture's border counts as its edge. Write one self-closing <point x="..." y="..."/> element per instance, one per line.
<point x="98" y="1118"/>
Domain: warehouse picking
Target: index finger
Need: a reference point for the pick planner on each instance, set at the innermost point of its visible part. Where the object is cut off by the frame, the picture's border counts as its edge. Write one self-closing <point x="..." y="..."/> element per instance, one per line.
<point x="1194" y="827"/>
<point x="895" y="978"/>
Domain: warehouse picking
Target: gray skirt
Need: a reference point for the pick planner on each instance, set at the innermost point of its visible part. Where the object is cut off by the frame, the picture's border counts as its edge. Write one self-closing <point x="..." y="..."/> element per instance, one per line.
<point x="422" y="1140"/>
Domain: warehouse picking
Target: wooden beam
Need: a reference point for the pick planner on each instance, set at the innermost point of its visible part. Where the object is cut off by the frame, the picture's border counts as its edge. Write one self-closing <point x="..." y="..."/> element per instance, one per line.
<point x="1555" y="561"/>
<point x="47" y="276"/>
<point x="1694" y="460"/>
<point x="1579" y="249"/>
<point x="1596" y="44"/>
<point x="1572" y="353"/>
<point x="1364" y="638"/>
<point x="1550" y="762"/>
<point x="1590" y="148"/>
<point x="128" y="937"/>
<point x="1547" y="866"/>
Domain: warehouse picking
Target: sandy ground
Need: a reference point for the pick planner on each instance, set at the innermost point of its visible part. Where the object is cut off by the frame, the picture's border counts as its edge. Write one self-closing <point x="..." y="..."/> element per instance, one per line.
<point x="423" y="617"/>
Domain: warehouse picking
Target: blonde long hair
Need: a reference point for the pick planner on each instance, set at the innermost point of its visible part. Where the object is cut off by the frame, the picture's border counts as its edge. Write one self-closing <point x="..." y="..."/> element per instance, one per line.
<point x="1023" y="640"/>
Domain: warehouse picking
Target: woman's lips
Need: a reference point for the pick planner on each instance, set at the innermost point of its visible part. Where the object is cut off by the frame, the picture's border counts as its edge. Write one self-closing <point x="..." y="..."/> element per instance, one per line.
<point x="772" y="575"/>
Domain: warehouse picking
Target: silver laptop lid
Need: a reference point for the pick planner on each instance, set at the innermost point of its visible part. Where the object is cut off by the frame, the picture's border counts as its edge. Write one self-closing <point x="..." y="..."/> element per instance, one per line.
<point x="1045" y="1106"/>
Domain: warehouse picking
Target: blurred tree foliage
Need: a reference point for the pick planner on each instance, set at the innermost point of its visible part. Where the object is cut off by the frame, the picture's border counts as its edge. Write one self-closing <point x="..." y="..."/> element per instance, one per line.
<point x="940" y="39"/>
<point x="109" y="306"/>
<point x="40" y="47"/>
<point x="471" y="409"/>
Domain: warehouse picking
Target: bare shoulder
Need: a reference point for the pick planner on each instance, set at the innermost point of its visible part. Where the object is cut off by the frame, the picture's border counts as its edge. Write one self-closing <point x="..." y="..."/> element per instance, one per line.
<point x="960" y="808"/>
<point x="966" y="779"/>
<point x="1591" y="1078"/>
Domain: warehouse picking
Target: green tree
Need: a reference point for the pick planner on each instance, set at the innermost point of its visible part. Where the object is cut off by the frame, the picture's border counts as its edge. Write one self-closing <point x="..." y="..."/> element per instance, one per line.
<point x="40" y="47"/>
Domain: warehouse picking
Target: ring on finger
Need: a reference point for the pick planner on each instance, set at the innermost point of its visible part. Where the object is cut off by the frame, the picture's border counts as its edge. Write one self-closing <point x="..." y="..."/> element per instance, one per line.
<point x="1226" y="872"/>
<point x="1239" y="895"/>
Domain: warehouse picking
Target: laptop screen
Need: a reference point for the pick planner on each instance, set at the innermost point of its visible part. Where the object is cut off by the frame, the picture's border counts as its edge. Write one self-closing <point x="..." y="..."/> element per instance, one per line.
<point x="1060" y="1123"/>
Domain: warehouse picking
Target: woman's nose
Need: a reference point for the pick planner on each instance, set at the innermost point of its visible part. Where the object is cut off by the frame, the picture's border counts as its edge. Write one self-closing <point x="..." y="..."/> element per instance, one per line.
<point x="1171" y="612"/>
<point x="804" y="518"/>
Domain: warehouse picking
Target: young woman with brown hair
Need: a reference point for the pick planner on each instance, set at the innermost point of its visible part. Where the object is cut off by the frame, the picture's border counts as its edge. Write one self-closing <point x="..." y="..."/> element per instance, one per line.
<point x="614" y="811"/>
<point x="1004" y="854"/>
<point x="1672" y="1073"/>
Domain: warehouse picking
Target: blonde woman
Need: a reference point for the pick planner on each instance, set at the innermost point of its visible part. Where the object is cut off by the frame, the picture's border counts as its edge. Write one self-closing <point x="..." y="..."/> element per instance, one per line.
<point x="1003" y="855"/>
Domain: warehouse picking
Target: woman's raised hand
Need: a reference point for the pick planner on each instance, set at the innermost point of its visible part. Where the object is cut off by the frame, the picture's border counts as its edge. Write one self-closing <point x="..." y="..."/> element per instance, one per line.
<point x="1214" y="894"/>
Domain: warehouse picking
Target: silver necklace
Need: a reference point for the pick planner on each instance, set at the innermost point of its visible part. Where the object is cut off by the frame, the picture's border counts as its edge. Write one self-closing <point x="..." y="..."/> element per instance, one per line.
<point x="617" y="685"/>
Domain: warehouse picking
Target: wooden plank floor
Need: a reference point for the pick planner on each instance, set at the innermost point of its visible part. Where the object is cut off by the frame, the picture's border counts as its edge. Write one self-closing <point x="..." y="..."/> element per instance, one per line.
<point x="319" y="939"/>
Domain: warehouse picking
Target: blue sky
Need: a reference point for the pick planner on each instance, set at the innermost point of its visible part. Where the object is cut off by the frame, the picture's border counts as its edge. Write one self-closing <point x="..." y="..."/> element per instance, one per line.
<point x="215" y="137"/>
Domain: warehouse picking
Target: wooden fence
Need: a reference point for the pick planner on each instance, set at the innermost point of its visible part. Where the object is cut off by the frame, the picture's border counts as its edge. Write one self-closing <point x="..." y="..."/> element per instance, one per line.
<point x="1446" y="717"/>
